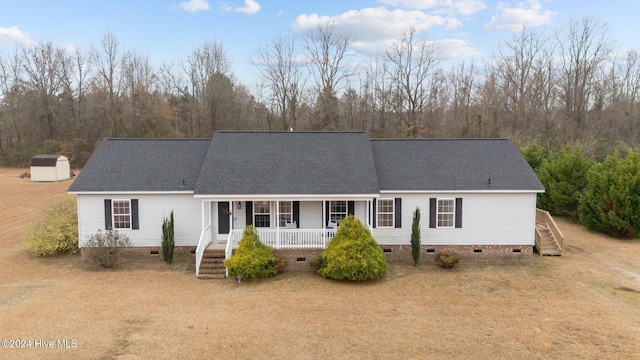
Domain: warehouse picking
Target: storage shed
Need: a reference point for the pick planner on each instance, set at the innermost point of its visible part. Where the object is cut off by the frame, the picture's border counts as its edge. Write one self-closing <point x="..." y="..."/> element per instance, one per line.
<point x="50" y="168"/>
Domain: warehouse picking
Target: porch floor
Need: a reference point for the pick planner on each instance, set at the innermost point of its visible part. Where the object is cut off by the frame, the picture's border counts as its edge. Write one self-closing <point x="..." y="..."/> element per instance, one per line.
<point x="217" y="245"/>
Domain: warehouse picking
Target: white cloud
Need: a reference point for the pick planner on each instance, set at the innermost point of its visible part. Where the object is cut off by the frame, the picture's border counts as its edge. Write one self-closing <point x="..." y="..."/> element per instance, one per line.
<point x="515" y="18"/>
<point x="11" y="35"/>
<point x="371" y="24"/>
<point x="455" y="48"/>
<point x="195" y="5"/>
<point x="250" y="7"/>
<point x="461" y="7"/>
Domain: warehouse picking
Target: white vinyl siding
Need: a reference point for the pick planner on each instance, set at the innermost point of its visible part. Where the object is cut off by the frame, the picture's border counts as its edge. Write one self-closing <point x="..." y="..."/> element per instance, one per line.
<point x="152" y="209"/>
<point x="487" y="219"/>
<point x="310" y="214"/>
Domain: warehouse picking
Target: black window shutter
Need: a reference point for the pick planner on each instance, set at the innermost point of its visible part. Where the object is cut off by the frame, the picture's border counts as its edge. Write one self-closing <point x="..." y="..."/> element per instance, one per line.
<point x="458" y="212"/>
<point x="249" y="212"/>
<point x="432" y="212"/>
<point x="326" y="212"/>
<point x="135" y="223"/>
<point x="107" y="214"/>
<point x="375" y="216"/>
<point x="296" y="213"/>
<point x="398" y="212"/>
<point x="351" y="208"/>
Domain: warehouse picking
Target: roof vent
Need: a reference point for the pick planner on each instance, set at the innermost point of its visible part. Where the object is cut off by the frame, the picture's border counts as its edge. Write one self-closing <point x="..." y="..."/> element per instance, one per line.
<point x="489" y="182"/>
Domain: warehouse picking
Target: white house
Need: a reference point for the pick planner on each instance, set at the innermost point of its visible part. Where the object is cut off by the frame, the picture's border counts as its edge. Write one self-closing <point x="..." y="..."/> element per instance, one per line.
<point x="50" y="168"/>
<point x="477" y="196"/>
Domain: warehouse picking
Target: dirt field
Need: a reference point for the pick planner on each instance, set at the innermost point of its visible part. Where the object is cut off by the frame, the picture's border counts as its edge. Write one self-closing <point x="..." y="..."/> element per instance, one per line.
<point x="585" y="305"/>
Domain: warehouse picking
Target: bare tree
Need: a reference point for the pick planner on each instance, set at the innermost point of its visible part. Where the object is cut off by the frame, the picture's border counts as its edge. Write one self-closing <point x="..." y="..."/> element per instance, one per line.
<point x="413" y="62"/>
<point x="326" y="50"/>
<point x="515" y="67"/>
<point x="278" y="66"/>
<point x="584" y="47"/>
<point x="462" y="82"/>
<point x="109" y="58"/>
<point x="44" y="74"/>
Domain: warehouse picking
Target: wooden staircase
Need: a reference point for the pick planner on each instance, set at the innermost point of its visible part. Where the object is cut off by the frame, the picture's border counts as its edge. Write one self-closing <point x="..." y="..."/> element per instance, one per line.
<point x="549" y="240"/>
<point x="212" y="265"/>
<point x="548" y="245"/>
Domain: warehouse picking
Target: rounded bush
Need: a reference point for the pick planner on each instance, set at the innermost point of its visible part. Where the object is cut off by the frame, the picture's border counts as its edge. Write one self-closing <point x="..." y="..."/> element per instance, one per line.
<point x="253" y="259"/>
<point x="57" y="232"/>
<point x="447" y="259"/>
<point x="352" y="254"/>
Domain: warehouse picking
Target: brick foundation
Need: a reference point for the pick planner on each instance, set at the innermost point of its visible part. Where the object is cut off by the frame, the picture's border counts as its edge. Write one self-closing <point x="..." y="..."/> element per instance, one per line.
<point x="298" y="259"/>
<point x="150" y="251"/>
<point x="403" y="252"/>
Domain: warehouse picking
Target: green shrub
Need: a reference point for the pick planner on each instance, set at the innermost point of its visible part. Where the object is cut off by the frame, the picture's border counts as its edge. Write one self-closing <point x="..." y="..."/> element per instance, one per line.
<point x="563" y="175"/>
<point x="611" y="199"/>
<point x="352" y="254"/>
<point x="103" y="248"/>
<point x="57" y="232"/>
<point x="447" y="259"/>
<point x="534" y="154"/>
<point x="415" y="237"/>
<point x="168" y="242"/>
<point x="253" y="259"/>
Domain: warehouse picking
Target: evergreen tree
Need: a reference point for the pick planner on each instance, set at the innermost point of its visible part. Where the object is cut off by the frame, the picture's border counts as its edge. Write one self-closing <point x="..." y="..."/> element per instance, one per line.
<point x="415" y="237"/>
<point x="611" y="199"/>
<point x="168" y="242"/>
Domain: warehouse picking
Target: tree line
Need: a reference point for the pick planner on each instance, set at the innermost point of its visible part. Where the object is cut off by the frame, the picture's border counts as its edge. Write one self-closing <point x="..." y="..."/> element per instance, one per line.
<point x="603" y="195"/>
<point x="568" y="86"/>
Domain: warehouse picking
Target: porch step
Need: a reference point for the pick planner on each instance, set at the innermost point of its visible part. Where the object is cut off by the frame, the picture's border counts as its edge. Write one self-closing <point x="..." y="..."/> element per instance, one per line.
<point x="212" y="264"/>
<point x="548" y="244"/>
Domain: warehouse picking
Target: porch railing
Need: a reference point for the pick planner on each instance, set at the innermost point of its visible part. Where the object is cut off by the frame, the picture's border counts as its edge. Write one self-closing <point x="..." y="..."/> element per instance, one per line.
<point x="203" y="242"/>
<point x="286" y="238"/>
<point x="543" y="217"/>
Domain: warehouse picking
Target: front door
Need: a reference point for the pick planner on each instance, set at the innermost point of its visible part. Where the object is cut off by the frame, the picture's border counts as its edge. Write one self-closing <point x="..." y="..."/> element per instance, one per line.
<point x="223" y="217"/>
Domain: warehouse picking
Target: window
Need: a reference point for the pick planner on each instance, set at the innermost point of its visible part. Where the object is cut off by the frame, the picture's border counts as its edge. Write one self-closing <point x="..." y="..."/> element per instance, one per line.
<point x="286" y="213"/>
<point x="446" y="213"/>
<point x="385" y="213"/>
<point x="337" y="211"/>
<point x="261" y="214"/>
<point x="121" y="214"/>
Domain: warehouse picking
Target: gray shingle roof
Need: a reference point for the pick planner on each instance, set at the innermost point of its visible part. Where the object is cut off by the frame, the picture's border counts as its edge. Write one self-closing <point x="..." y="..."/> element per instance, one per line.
<point x="254" y="162"/>
<point x="304" y="163"/>
<point x="452" y="164"/>
<point x="143" y="165"/>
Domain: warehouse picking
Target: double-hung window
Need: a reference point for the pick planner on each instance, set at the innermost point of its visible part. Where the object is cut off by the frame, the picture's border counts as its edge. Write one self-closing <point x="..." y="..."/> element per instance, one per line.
<point x="385" y="213"/>
<point x="285" y="213"/>
<point x="337" y="211"/>
<point x="446" y="213"/>
<point x="261" y="214"/>
<point x="121" y="210"/>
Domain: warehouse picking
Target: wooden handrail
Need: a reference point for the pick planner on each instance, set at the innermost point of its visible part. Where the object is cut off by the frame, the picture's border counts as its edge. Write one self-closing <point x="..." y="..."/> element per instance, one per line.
<point x="543" y="217"/>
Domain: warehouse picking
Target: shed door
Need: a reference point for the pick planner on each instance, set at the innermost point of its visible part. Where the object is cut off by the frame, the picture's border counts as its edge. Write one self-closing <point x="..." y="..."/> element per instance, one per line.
<point x="223" y="217"/>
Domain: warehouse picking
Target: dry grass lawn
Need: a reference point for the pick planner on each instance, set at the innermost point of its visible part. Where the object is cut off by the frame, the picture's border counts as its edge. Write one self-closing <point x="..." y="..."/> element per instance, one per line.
<point x="585" y="305"/>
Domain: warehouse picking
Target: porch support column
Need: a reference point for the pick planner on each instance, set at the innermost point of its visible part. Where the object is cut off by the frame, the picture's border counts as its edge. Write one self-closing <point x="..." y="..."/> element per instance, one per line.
<point x="277" y="224"/>
<point x="202" y="211"/>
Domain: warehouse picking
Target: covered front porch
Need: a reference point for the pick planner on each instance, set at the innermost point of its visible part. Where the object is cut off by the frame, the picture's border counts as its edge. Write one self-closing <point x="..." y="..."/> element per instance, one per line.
<point x="300" y="223"/>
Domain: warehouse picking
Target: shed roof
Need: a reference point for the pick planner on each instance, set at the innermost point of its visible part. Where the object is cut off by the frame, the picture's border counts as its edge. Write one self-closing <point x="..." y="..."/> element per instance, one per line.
<point x="452" y="165"/>
<point x="288" y="163"/>
<point x="46" y="160"/>
<point x="143" y="165"/>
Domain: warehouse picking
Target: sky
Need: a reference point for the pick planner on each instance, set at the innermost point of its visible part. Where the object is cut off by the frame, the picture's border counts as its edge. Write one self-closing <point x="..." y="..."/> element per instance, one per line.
<point x="168" y="30"/>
